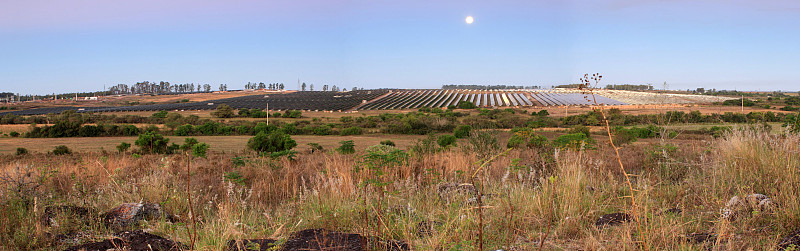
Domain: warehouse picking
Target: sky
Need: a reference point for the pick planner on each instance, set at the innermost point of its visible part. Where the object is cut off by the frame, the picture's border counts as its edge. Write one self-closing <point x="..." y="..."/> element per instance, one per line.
<point x="62" y="46"/>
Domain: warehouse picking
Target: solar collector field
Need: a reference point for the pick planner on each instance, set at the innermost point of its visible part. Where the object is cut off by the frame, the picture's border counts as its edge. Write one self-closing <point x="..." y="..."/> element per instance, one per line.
<point x="384" y="99"/>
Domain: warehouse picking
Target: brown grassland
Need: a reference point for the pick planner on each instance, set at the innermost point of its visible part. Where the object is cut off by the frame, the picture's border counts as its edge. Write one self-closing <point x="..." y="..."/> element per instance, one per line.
<point x="534" y="199"/>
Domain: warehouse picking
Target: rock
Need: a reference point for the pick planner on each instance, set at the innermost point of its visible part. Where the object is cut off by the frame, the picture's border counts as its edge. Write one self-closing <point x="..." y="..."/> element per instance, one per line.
<point x="321" y="239"/>
<point x="790" y="240"/>
<point x="701" y="237"/>
<point x="612" y="219"/>
<point x="133" y="241"/>
<point x="447" y="191"/>
<point x="753" y="202"/>
<point x="128" y="214"/>
<point x="71" y="238"/>
<point x="251" y="244"/>
<point x="674" y="211"/>
<point x="427" y="228"/>
<point x="52" y="215"/>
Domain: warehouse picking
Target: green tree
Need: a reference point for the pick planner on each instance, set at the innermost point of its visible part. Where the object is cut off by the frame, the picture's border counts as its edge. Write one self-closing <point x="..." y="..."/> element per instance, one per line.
<point x="122" y="147"/>
<point x="223" y="111"/>
<point x="150" y="142"/>
<point x="462" y="131"/>
<point x="346" y="147"/>
<point x="275" y="141"/>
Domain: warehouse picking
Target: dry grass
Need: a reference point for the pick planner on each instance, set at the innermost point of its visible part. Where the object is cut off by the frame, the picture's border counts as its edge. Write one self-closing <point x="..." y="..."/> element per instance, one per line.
<point x="217" y="143"/>
<point x="527" y="202"/>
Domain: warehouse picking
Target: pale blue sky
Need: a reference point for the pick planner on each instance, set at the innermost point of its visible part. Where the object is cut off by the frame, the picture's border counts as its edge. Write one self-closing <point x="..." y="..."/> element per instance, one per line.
<point x="63" y="46"/>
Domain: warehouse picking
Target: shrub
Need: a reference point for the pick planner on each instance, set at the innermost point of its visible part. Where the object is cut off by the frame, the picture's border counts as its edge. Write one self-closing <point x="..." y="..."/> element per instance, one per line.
<point x="22" y="151"/>
<point x="223" y="111"/>
<point x="263" y="127"/>
<point x="346" y="147"/>
<point x="323" y="130"/>
<point x="388" y="143"/>
<point x="150" y="142"/>
<point x="446" y="140"/>
<point x="314" y="147"/>
<point x="538" y="142"/>
<point x="122" y="147"/>
<point x="542" y="113"/>
<point x="61" y="150"/>
<point x="573" y="141"/>
<point x="184" y="130"/>
<point x="275" y="141"/>
<point x="130" y="130"/>
<point x="580" y="129"/>
<point x="13" y="134"/>
<point x="160" y="115"/>
<point x="427" y="145"/>
<point x="462" y="131"/>
<point x="188" y="143"/>
<point x="482" y="143"/>
<point x="351" y="131"/>
<point x="293" y="114"/>
<point x="466" y="105"/>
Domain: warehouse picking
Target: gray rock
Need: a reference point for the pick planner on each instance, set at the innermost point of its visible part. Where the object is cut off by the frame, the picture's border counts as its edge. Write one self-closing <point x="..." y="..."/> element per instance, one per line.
<point x="736" y="206"/>
<point x="612" y="219"/>
<point x="449" y="192"/>
<point x="128" y="214"/>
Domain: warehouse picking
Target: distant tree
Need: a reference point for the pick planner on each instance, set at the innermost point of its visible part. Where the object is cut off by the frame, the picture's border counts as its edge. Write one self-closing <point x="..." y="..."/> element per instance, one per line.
<point x="303" y="86"/>
<point x="151" y="142"/>
<point x="223" y="111"/>
<point x="275" y="141"/>
<point x="311" y="87"/>
<point x="261" y="85"/>
<point x="207" y="87"/>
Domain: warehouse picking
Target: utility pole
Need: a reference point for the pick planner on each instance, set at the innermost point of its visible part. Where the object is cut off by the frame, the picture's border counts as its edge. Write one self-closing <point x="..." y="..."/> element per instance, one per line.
<point x="268" y="114"/>
<point x="742" y="103"/>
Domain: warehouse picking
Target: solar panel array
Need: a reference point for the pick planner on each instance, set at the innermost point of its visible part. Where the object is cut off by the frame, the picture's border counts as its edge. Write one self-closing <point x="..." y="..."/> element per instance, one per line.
<point x="413" y="99"/>
<point x="409" y="99"/>
<point x="314" y="101"/>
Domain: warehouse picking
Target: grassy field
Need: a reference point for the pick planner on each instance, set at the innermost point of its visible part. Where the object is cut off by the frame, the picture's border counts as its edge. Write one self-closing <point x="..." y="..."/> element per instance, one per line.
<point x="535" y="197"/>
<point x="217" y="143"/>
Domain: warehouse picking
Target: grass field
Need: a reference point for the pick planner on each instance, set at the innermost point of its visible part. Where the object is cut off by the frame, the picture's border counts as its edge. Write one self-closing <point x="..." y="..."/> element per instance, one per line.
<point x="217" y="143"/>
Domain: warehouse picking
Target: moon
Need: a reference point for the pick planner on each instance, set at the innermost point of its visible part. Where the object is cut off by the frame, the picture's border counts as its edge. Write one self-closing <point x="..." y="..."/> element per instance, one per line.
<point x="469" y="20"/>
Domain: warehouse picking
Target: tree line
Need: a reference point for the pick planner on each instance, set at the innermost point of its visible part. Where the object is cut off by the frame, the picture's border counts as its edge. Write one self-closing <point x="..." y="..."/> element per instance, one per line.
<point x="161" y="87"/>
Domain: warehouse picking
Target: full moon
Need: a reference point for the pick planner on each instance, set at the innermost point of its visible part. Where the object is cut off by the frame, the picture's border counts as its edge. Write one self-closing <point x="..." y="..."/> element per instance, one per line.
<point x="469" y="20"/>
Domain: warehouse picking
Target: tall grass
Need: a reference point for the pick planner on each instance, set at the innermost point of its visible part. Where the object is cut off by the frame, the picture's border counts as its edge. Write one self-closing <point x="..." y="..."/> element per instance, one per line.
<point x="528" y="204"/>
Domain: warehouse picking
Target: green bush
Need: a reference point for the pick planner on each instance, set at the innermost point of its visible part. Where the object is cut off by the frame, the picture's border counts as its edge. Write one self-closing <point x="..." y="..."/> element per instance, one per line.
<point x="275" y="141"/>
<point x="160" y="115"/>
<point x="184" y="130"/>
<point x="573" y="141"/>
<point x="346" y="147"/>
<point x="538" y="142"/>
<point x="13" y="134"/>
<point x="122" y="147"/>
<point x="314" y="147"/>
<point x="351" y="131"/>
<point x="61" y="150"/>
<point x="466" y="105"/>
<point x="22" y="151"/>
<point x="150" y="142"/>
<point x="323" y="130"/>
<point x="388" y="143"/>
<point x="446" y="140"/>
<point x="462" y="131"/>
<point x="580" y="129"/>
<point x="130" y="130"/>
<point x="223" y="111"/>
